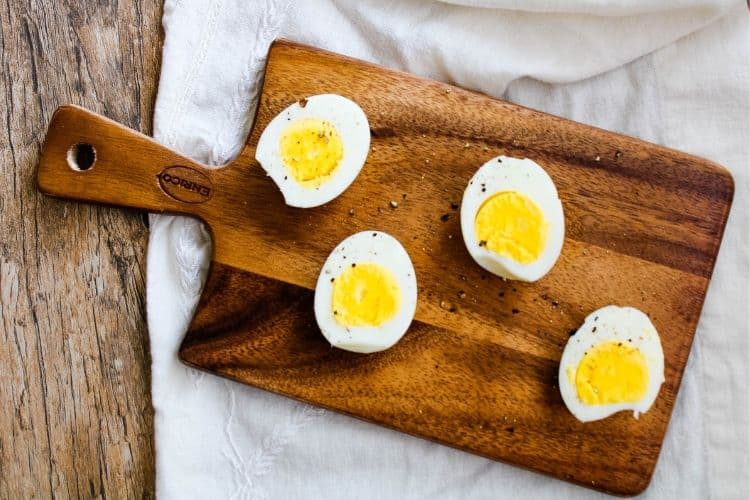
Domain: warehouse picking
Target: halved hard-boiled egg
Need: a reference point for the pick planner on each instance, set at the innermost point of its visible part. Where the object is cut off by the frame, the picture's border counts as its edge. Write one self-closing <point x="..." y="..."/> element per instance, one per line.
<point x="512" y="219"/>
<point x="366" y="293"/>
<point x="315" y="148"/>
<point x="614" y="362"/>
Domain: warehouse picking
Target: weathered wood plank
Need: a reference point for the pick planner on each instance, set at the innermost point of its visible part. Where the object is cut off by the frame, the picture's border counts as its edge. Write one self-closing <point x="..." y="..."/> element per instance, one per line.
<point x="76" y="417"/>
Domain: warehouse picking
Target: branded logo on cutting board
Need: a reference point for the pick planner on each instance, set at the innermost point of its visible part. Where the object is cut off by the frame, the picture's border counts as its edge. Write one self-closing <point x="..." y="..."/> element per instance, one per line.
<point x="185" y="184"/>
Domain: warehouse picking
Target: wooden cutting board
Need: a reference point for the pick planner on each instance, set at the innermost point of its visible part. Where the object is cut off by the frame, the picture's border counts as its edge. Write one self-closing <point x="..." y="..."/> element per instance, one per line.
<point x="478" y="368"/>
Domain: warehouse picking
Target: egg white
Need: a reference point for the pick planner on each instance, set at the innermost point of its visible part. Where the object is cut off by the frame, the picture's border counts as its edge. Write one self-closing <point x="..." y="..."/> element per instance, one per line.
<point x="527" y="177"/>
<point x="621" y="324"/>
<point x="351" y="124"/>
<point x="382" y="249"/>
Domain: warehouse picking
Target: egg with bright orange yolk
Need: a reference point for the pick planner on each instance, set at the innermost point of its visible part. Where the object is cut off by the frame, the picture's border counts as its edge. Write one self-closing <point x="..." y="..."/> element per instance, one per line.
<point x="315" y="148"/>
<point x="366" y="294"/>
<point x="613" y="363"/>
<point x="512" y="219"/>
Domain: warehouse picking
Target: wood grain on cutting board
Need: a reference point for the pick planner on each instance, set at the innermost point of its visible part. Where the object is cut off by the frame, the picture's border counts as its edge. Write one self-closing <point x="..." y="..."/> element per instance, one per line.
<point x="477" y="369"/>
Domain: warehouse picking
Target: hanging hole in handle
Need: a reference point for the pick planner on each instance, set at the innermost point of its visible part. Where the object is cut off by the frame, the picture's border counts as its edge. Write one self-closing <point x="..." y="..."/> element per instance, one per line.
<point x="81" y="157"/>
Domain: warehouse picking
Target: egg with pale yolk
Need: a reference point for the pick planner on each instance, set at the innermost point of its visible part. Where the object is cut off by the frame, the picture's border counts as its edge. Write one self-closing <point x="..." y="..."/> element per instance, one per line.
<point x="512" y="219"/>
<point x="614" y="362"/>
<point x="315" y="148"/>
<point x="366" y="294"/>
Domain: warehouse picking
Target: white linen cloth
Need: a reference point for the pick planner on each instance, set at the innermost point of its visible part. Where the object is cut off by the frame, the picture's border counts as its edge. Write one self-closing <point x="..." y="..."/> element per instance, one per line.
<point x="665" y="71"/>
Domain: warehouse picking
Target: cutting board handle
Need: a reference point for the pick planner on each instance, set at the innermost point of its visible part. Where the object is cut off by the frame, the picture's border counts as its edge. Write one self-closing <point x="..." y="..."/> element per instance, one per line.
<point x="88" y="157"/>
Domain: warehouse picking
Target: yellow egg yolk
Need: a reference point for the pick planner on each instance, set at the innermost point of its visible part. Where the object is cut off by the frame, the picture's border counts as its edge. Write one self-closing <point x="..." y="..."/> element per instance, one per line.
<point x="365" y="294"/>
<point x="611" y="372"/>
<point x="511" y="225"/>
<point x="311" y="150"/>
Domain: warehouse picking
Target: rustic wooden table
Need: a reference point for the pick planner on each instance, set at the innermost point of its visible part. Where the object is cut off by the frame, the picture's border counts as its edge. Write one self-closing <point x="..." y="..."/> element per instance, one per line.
<point x="75" y="407"/>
